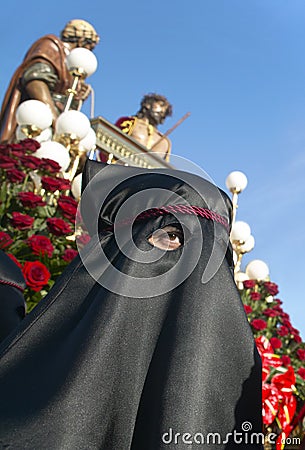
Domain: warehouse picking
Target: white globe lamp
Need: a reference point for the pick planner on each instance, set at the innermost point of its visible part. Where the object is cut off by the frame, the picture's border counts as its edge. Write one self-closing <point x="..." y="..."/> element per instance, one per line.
<point x="236" y="182"/>
<point x="82" y="61"/>
<point x="248" y="245"/>
<point x="33" y="117"/>
<point x="76" y="186"/>
<point x="257" y="270"/>
<point x="55" y="151"/>
<point x="88" y="142"/>
<point x="240" y="232"/>
<point x="240" y="277"/>
<point x="45" y="135"/>
<point x="73" y="124"/>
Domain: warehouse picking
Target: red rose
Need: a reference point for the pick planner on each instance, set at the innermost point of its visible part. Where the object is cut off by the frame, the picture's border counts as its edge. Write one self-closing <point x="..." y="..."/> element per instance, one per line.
<point x="36" y="275"/>
<point x="286" y="360"/>
<point x="6" y="162"/>
<point x="69" y="254"/>
<point x="13" y="258"/>
<point x="275" y="342"/>
<point x="255" y="296"/>
<point x="249" y="284"/>
<point x="30" y="199"/>
<point x="259" y="324"/>
<point x="51" y="184"/>
<point x="4" y="149"/>
<point x="67" y="200"/>
<point x="22" y="221"/>
<point x="5" y="240"/>
<point x="287" y="323"/>
<point x="269" y="312"/>
<point x="49" y="165"/>
<point x="32" y="162"/>
<point x="278" y="309"/>
<point x="248" y="309"/>
<point x="16" y="149"/>
<point x="285" y="316"/>
<point x="271" y="288"/>
<point x="58" y="226"/>
<point x="30" y="144"/>
<point x="65" y="184"/>
<point x="301" y="354"/>
<point x="297" y="338"/>
<point x="278" y="301"/>
<point x="55" y="184"/>
<point x="15" y="175"/>
<point x="282" y="331"/>
<point x="301" y="372"/>
<point x="83" y="239"/>
<point x="68" y="206"/>
<point x="294" y="330"/>
<point x="41" y="245"/>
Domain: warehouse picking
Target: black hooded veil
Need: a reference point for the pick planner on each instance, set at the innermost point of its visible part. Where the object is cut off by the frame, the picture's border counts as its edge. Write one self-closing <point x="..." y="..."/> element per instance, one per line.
<point x="136" y="347"/>
<point x="12" y="304"/>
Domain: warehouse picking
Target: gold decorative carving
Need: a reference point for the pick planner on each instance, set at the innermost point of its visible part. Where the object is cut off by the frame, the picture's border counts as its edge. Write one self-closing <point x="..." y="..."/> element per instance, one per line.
<point x="123" y="148"/>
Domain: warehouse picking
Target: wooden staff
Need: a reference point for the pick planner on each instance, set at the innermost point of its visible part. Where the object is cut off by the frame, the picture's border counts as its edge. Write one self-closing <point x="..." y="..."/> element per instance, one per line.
<point x="171" y="129"/>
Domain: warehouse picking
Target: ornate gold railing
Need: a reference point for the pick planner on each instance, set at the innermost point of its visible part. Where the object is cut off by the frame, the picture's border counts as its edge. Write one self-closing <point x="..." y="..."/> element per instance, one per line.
<point x="123" y="148"/>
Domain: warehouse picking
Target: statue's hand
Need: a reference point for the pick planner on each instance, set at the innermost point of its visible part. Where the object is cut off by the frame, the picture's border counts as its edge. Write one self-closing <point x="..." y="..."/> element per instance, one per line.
<point x="83" y="91"/>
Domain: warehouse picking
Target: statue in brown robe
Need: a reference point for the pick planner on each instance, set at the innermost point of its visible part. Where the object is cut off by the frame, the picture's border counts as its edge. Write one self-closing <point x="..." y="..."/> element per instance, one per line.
<point x="43" y="74"/>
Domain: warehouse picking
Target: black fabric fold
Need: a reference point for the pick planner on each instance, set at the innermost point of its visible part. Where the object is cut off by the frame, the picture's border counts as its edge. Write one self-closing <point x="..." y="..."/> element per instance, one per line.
<point x="91" y="368"/>
<point x="12" y="304"/>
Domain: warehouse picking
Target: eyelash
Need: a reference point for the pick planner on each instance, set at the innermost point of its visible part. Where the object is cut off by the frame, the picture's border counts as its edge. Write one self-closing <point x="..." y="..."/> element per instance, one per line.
<point x="175" y="234"/>
<point x="167" y="240"/>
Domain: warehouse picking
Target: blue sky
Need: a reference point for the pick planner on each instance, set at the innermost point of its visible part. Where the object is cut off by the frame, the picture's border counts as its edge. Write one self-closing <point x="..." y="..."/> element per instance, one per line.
<point x="238" y="66"/>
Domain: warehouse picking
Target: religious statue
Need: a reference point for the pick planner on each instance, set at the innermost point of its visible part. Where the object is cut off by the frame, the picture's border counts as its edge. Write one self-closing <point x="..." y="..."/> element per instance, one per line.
<point x="143" y="125"/>
<point x="43" y="75"/>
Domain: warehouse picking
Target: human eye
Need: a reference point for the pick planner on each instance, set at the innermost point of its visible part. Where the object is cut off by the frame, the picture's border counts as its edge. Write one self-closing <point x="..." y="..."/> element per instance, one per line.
<point x="167" y="238"/>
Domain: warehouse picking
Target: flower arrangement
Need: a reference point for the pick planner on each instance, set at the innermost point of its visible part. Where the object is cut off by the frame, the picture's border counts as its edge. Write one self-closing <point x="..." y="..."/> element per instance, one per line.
<point x="37" y="217"/>
<point x="283" y="360"/>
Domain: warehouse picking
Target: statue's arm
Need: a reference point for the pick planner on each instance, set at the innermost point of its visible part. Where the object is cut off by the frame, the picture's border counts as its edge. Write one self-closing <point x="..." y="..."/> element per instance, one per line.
<point x="39" y="80"/>
<point x="39" y="90"/>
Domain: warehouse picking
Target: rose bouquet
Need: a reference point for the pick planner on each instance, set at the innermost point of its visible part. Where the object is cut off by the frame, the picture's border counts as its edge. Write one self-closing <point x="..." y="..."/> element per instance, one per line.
<point x="37" y="217"/>
<point x="283" y="360"/>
